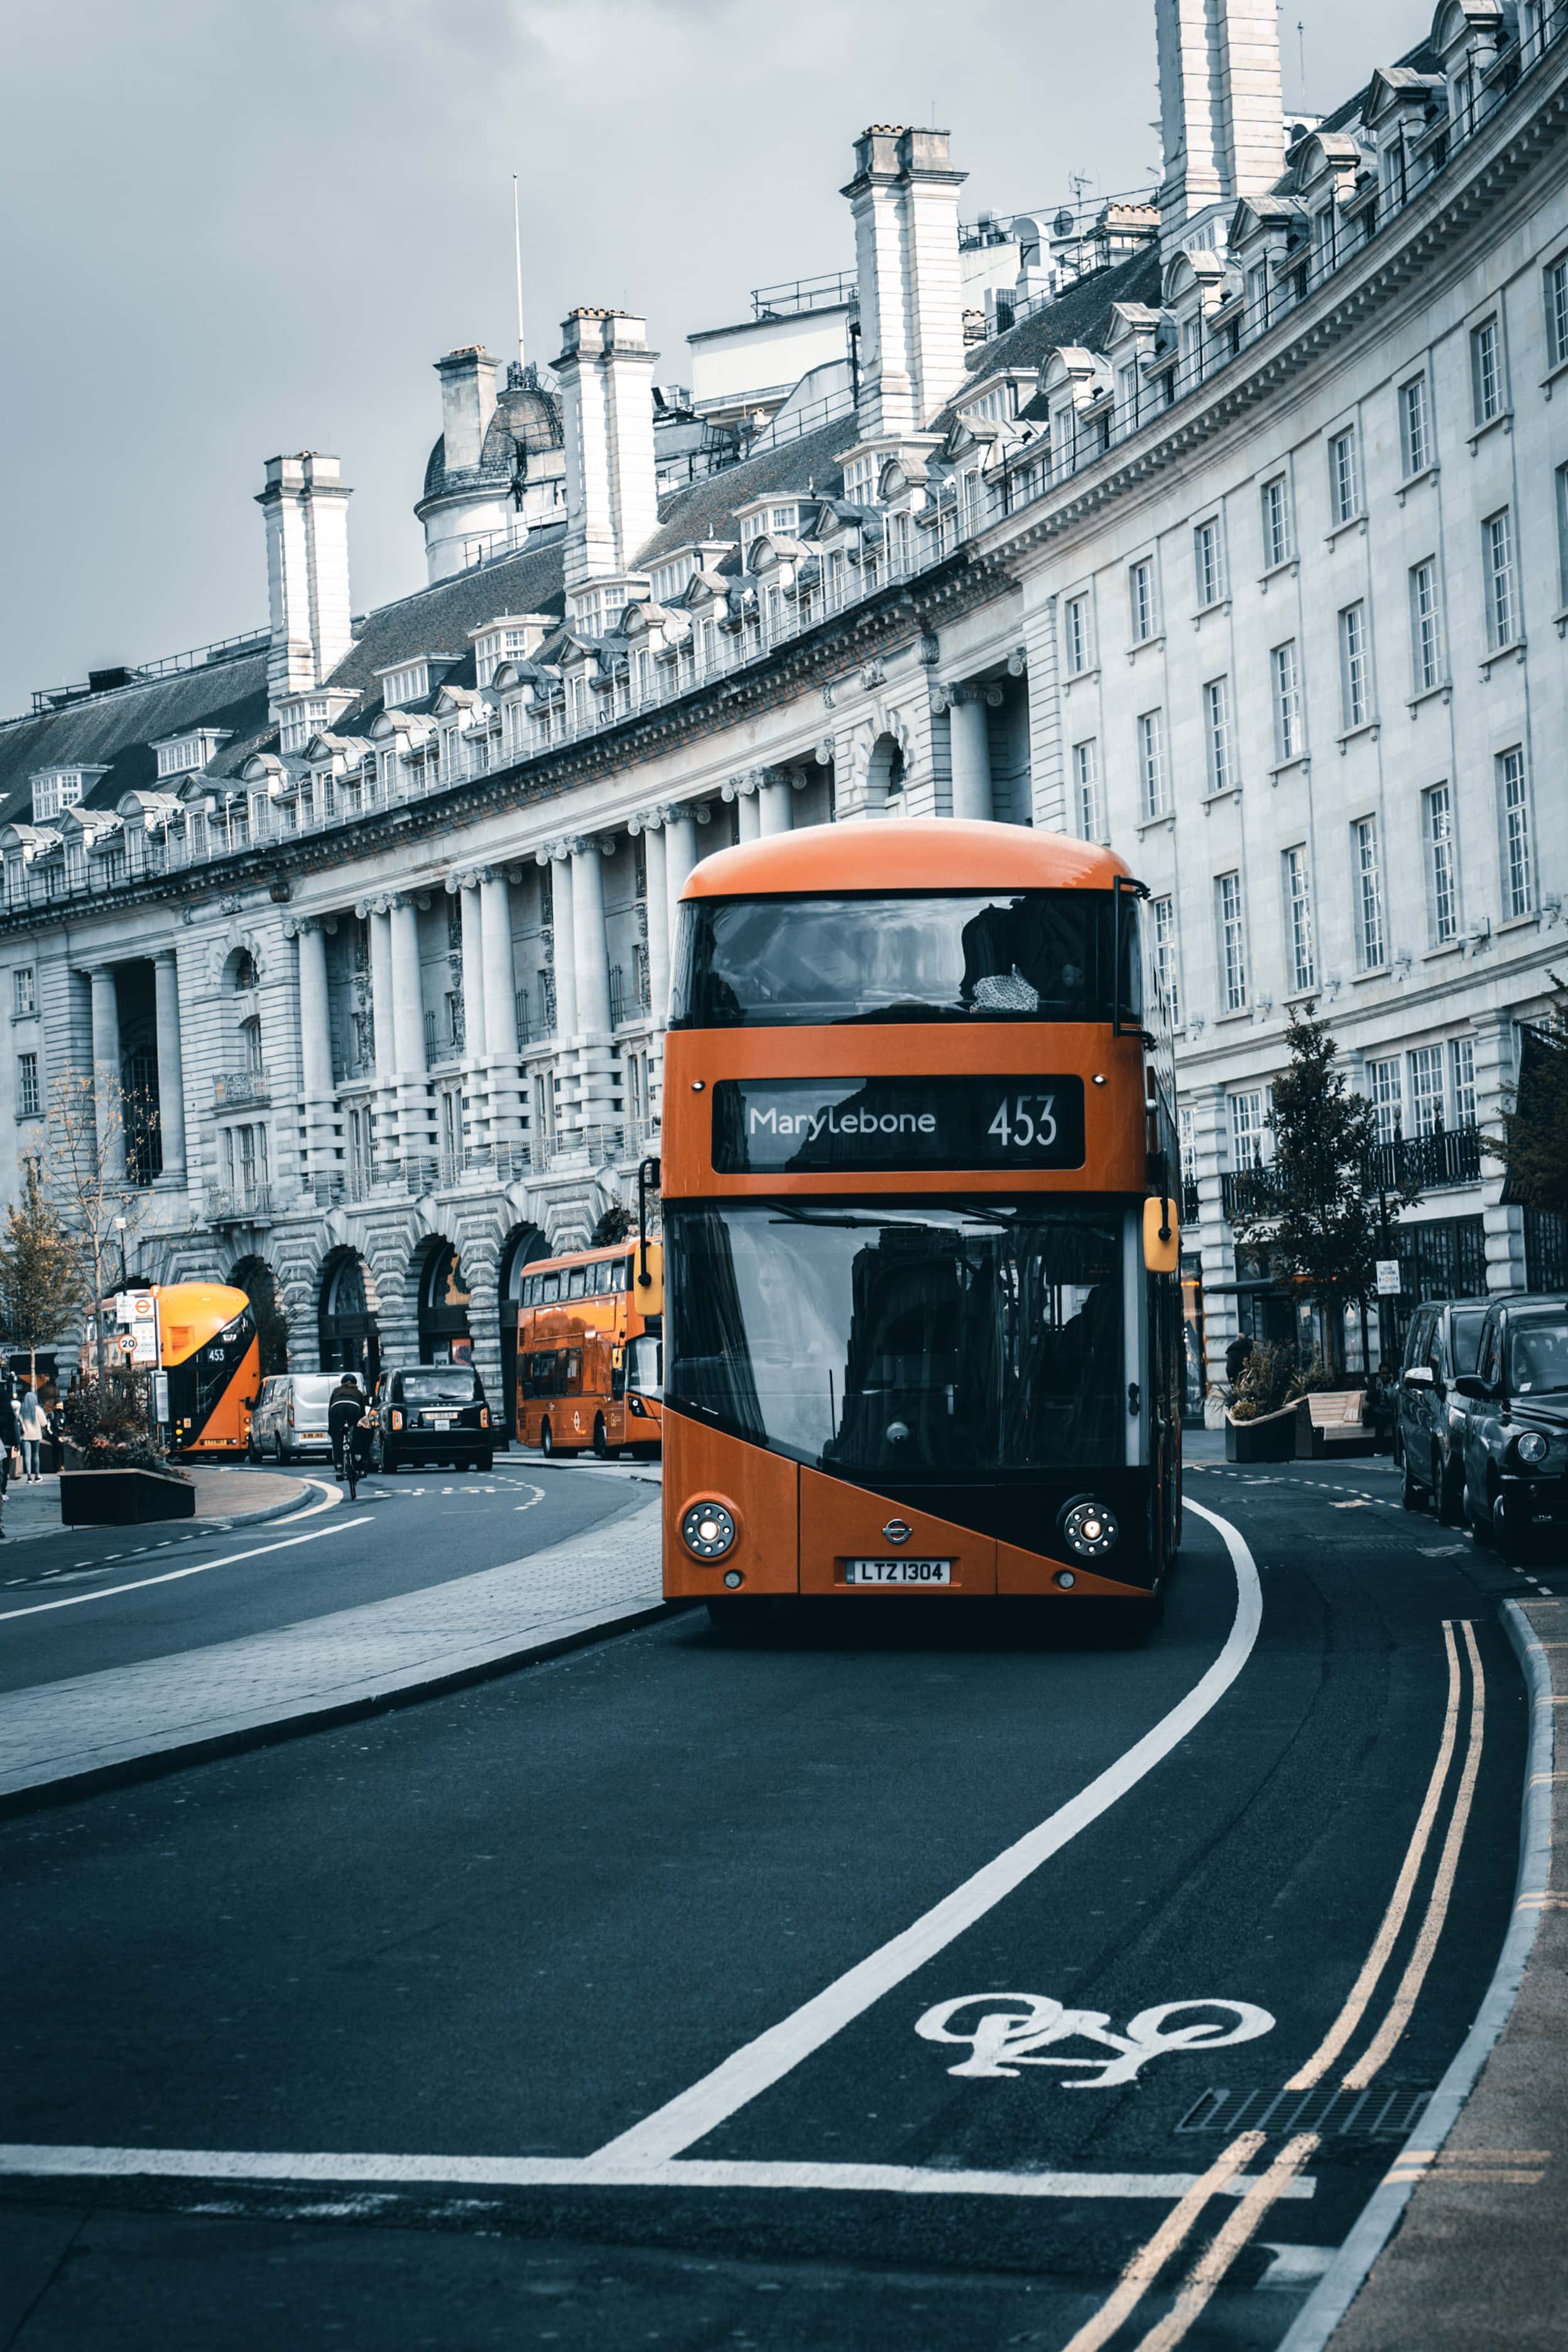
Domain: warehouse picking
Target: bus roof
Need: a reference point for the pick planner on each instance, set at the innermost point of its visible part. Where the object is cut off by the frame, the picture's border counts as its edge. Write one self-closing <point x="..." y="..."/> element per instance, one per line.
<point x="904" y="854"/>
<point x="628" y="1248"/>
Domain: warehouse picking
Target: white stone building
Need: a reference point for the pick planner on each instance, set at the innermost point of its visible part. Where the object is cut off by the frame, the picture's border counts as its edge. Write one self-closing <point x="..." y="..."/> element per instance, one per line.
<point x="1246" y="549"/>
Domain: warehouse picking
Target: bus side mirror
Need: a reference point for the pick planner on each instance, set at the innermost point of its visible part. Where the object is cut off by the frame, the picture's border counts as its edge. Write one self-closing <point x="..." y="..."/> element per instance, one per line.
<point x="1161" y="1236"/>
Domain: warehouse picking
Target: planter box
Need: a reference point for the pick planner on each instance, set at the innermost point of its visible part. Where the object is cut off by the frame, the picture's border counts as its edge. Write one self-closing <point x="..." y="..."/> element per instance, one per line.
<point x="1270" y="1438"/>
<point x="116" y="1498"/>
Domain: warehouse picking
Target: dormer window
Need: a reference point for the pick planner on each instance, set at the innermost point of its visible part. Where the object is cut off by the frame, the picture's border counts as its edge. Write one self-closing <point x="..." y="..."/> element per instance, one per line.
<point x="186" y="755"/>
<point x="1394" y="170"/>
<point x="670" y="579"/>
<point x="55" y="789"/>
<point x="1324" y="241"/>
<point x="299" y="722"/>
<point x="410" y="682"/>
<point x="860" y="479"/>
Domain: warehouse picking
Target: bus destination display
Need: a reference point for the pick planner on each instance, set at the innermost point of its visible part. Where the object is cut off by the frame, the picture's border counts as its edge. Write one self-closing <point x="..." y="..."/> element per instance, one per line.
<point x="799" y="1126"/>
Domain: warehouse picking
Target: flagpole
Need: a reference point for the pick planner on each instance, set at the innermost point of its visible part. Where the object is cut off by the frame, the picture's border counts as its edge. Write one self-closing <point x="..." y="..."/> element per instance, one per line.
<point x="516" y="250"/>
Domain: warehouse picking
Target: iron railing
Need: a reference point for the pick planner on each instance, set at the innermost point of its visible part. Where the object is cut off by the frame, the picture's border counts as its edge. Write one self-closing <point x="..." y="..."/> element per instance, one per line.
<point x="1449" y="1156"/>
<point x="239" y="1089"/>
<point x="243" y="1204"/>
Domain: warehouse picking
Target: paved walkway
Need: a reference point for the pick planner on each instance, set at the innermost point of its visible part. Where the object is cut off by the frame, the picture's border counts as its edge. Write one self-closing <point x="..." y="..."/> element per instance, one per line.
<point x="233" y="1496"/>
<point x="104" y="1725"/>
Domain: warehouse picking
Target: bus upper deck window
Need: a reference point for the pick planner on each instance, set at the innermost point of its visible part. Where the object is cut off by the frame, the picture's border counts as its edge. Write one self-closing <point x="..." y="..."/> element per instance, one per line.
<point x="994" y="955"/>
<point x="577" y="1282"/>
<point x="552" y="1288"/>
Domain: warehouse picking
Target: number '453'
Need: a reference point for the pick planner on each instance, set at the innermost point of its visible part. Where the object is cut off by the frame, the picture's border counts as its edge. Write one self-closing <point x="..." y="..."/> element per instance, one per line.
<point x="1017" y="1127"/>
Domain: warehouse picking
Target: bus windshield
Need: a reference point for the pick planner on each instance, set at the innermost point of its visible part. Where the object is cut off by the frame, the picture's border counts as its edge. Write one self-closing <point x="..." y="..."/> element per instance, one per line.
<point x="913" y="1339"/>
<point x="1030" y="955"/>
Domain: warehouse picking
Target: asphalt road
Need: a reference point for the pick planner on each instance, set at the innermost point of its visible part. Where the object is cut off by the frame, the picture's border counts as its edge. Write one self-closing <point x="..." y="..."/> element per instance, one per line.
<point x="497" y="1932"/>
<point x="91" y="1598"/>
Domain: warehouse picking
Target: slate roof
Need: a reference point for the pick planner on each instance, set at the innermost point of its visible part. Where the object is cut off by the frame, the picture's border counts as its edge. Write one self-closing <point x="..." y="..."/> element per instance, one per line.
<point x="116" y="731"/>
<point x="705" y="509"/>
<point x="437" y="620"/>
<point x="1080" y="315"/>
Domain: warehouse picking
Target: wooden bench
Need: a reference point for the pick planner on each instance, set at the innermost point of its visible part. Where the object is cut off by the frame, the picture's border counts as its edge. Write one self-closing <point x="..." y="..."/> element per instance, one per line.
<point x="1334" y="1421"/>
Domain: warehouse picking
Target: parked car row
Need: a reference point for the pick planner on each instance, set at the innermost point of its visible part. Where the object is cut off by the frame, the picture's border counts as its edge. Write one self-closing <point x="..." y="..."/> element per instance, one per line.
<point x="1481" y="1423"/>
<point x="420" y="1413"/>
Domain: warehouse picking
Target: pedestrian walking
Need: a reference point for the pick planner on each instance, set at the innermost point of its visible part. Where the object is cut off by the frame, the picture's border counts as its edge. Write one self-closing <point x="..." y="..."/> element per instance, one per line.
<point x="31" y="1424"/>
<point x="8" y="1435"/>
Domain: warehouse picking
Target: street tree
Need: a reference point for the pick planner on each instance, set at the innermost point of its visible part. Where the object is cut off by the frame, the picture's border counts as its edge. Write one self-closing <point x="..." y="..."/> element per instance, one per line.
<point x="1316" y="1217"/>
<point x="96" y="1126"/>
<point x="616" y="1225"/>
<point x="43" y="1283"/>
<point x="1533" y="1145"/>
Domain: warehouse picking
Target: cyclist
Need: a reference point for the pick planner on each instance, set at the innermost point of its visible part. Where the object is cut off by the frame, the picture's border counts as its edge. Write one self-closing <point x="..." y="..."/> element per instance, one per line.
<point x="345" y="1413"/>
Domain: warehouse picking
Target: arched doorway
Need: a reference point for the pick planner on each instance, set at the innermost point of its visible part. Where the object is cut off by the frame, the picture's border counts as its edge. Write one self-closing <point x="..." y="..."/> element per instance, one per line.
<point x="254" y="1278"/>
<point x="523" y="1247"/>
<point x="444" y="1337"/>
<point x="350" y="1342"/>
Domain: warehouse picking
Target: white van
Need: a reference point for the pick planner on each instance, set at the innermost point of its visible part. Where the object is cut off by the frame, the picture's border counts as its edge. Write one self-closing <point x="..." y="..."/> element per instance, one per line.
<point x="290" y="1418"/>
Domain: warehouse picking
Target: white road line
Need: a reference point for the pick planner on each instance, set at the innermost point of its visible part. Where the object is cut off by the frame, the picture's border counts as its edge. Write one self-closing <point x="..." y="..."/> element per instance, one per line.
<point x="1217" y="2258"/>
<point x="1221" y="2179"/>
<point x="172" y="1575"/>
<point x="1420" y="1960"/>
<point x="331" y="1495"/>
<point x="33" y="2162"/>
<point x="694" y="2113"/>
<point x="1387" y="1936"/>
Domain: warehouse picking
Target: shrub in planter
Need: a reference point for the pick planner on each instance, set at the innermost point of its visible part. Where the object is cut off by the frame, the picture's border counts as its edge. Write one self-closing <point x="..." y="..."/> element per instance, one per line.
<point x="1263" y="1384"/>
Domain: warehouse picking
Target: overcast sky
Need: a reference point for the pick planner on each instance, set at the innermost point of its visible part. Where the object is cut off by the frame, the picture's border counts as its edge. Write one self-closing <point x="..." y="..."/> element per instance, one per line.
<point x="237" y="226"/>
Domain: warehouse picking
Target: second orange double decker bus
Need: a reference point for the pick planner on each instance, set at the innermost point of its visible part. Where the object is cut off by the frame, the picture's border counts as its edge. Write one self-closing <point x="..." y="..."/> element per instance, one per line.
<point x="590" y="1349"/>
<point x="923" y="1327"/>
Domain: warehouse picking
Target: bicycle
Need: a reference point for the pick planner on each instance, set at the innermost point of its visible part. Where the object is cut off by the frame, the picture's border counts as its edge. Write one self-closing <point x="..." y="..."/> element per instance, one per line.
<point x="349" y="1462"/>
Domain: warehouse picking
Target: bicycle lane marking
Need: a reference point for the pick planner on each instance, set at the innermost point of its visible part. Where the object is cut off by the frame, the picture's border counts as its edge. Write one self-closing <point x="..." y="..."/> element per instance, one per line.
<point x="172" y="1575"/>
<point x="759" y="2064"/>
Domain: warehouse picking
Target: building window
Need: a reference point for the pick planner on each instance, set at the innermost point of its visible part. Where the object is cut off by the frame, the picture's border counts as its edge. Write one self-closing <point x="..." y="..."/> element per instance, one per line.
<point x="1208" y="561"/>
<point x="1425" y="1067"/>
<point x="1085" y="781"/>
<point x="1151" y="767"/>
<point x="1425" y="627"/>
<point x="1486" y="371"/>
<point x="1462" y="1079"/>
<point x="27" y="1103"/>
<point x="1442" y="879"/>
<point x="1415" y="435"/>
<point x="1285" y="671"/>
<point x="400" y="687"/>
<point x="1232" y="943"/>
<point x="55" y="790"/>
<point x="1557" y="313"/>
<point x="1354" y="697"/>
<point x="1369" y="894"/>
<point x="1518" y="854"/>
<point x="1216" y="734"/>
<point x="24" y="992"/>
<point x="1385" y="1094"/>
<point x="1258" y="297"/>
<point x="1277" y="546"/>
<point x="1323" y="241"/>
<point x="1075" y="617"/>
<point x="1502" y="607"/>
<point x="1345" y="476"/>
<point x="1141" y="587"/>
<point x="1298" y="919"/>
<point x="1250" y="1135"/>
<point x="1167" y="971"/>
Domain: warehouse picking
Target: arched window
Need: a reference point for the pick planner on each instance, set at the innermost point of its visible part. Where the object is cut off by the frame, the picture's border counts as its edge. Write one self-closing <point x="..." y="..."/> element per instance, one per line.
<point x="244" y="970"/>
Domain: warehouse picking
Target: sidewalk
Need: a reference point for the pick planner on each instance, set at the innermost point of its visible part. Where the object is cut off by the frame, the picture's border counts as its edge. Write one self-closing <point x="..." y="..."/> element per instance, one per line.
<point x="235" y="1498"/>
<point x="68" y="1736"/>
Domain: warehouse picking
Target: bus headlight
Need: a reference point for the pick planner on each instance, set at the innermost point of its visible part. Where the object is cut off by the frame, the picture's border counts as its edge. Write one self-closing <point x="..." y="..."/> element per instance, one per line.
<point x="707" y="1530"/>
<point x="1088" y="1528"/>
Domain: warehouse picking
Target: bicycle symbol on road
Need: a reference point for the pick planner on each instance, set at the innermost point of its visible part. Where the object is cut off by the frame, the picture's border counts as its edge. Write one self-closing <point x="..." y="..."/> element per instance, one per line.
<point x="1014" y="2028"/>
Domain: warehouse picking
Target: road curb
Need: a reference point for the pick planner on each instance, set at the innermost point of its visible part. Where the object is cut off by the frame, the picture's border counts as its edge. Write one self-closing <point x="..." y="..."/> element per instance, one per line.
<point x="1332" y="2300"/>
<point x="259" y="1518"/>
<point x="241" y="1737"/>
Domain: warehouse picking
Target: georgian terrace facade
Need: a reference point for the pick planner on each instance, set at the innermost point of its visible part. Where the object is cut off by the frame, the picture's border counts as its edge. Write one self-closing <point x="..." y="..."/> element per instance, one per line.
<point x="1243" y="553"/>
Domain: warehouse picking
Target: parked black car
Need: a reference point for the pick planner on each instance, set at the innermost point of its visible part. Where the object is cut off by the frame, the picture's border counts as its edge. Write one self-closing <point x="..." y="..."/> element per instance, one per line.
<point x="1516" y="1426"/>
<point x="1428" y="1417"/>
<point x="432" y="1412"/>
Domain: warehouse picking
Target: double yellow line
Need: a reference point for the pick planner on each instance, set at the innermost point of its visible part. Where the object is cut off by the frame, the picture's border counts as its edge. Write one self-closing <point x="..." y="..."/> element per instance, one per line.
<point x="1211" y="2266"/>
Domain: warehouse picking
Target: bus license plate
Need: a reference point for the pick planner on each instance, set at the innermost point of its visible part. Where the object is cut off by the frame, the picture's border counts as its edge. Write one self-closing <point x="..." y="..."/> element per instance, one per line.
<point x="898" y="1571"/>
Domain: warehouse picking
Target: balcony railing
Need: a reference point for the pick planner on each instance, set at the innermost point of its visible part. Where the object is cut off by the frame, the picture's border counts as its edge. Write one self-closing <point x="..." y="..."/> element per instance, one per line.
<point x="1424" y="1163"/>
<point x="887" y="552"/>
<point x="245" y="1205"/>
<point x="240" y="1089"/>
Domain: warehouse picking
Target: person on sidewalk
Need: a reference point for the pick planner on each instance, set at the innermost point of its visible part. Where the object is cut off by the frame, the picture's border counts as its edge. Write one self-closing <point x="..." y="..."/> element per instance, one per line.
<point x="7" y="1440"/>
<point x="31" y="1426"/>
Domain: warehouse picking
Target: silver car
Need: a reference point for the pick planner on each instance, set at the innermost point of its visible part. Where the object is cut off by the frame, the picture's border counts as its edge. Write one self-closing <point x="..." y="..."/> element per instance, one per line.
<point x="288" y="1421"/>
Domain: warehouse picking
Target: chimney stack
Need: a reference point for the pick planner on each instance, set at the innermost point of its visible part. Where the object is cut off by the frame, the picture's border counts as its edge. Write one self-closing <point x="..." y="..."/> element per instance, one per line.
<point x="306" y="507"/>
<point x="904" y="200"/>
<point x="605" y="374"/>
<point x="467" y="403"/>
<point x="1221" y="107"/>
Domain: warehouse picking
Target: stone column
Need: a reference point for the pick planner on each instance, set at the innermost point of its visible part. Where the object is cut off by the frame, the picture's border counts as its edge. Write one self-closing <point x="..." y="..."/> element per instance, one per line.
<point x="748" y="811"/>
<point x="106" y="1071"/>
<point x="465" y="888"/>
<point x="1503" y="1227"/>
<point x="680" y="855"/>
<point x="500" y="1003"/>
<point x="1211" y="1150"/>
<point x="171" y="1072"/>
<point x="315" y="1048"/>
<point x="657" y="923"/>
<point x="596" y="1070"/>
<point x="557" y="857"/>
<point x="385" y="1111"/>
<point x="970" y="750"/>
<point x="774" y="813"/>
<point x="408" y="1030"/>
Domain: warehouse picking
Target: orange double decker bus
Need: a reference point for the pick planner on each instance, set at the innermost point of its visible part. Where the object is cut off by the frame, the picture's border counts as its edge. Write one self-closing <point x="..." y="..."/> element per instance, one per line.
<point x="924" y="1324"/>
<point x="202" y="1336"/>
<point x="590" y="1352"/>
